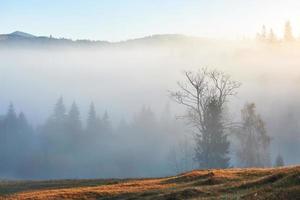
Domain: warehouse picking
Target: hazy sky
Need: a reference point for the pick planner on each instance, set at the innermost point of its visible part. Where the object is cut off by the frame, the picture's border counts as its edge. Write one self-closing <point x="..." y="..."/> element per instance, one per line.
<point x="123" y="19"/>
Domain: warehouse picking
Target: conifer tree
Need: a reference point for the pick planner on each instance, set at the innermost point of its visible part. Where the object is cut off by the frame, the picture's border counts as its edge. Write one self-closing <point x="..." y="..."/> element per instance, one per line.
<point x="10" y="125"/>
<point x="59" y="114"/>
<point x="93" y="122"/>
<point x="73" y="120"/>
<point x="24" y="128"/>
<point x="205" y="94"/>
<point x="106" y="125"/>
<point x="288" y="34"/>
<point x="262" y="36"/>
<point x="11" y="116"/>
<point x="213" y="146"/>
<point x="272" y="37"/>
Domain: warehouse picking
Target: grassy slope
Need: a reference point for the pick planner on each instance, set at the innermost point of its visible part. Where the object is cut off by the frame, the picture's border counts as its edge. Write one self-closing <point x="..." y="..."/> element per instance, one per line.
<point x="272" y="183"/>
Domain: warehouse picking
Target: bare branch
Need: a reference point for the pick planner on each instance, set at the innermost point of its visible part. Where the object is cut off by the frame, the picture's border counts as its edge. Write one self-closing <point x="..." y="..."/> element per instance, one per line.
<point x="199" y="90"/>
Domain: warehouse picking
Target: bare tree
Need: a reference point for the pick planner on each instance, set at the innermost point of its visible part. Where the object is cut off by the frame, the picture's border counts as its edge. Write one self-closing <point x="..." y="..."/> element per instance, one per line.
<point x="205" y="93"/>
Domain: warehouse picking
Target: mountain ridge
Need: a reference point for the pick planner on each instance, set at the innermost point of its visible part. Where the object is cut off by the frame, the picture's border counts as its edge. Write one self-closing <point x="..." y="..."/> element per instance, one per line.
<point x="21" y="34"/>
<point x="19" y="38"/>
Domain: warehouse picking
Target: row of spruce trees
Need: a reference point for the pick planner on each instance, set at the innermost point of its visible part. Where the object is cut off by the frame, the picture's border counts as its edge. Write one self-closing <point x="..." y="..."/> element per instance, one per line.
<point x="66" y="147"/>
<point x="270" y="36"/>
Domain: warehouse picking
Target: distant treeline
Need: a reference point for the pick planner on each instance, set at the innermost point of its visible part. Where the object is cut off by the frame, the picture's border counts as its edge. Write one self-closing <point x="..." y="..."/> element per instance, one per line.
<point x="62" y="147"/>
<point x="270" y="36"/>
<point x="149" y="145"/>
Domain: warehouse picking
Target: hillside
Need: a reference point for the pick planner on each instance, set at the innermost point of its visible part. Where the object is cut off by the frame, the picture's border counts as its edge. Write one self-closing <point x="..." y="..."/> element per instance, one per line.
<point x="252" y="183"/>
<point x="22" y="39"/>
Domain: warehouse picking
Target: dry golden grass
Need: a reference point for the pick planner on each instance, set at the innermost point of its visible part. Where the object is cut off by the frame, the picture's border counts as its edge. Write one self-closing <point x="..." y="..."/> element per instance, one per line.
<point x="254" y="183"/>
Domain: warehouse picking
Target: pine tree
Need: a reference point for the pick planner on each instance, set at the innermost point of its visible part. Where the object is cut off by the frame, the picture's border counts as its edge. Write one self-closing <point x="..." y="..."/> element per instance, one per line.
<point x="22" y="121"/>
<point x="212" y="145"/>
<point x="24" y="128"/>
<point x="145" y="118"/>
<point x="272" y="37"/>
<point x="93" y="123"/>
<point x="23" y="143"/>
<point x="10" y="124"/>
<point x="262" y="36"/>
<point x="59" y="117"/>
<point x="288" y="35"/>
<point x="106" y="125"/>
<point x="10" y="139"/>
<point x="73" y="120"/>
<point x="73" y="130"/>
<point x="54" y="134"/>
<point x="11" y="116"/>
<point x="60" y="109"/>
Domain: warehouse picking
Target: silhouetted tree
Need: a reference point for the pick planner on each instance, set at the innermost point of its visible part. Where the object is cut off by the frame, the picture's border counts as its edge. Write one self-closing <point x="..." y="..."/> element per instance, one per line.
<point x="254" y="140"/>
<point x="205" y="94"/>
<point x="288" y="34"/>
<point x="272" y="37"/>
<point x="25" y="130"/>
<point x="212" y="146"/>
<point x="59" y="114"/>
<point x="10" y="128"/>
<point x="262" y="36"/>
<point x="54" y="139"/>
<point x="74" y="124"/>
<point x="16" y="135"/>
<point x="73" y="129"/>
<point x="9" y="141"/>
<point x="145" y="119"/>
<point x="106" y="124"/>
<point x="93" y="123"/>
<point x="23" y="123"/>
<point x="24" y="147"/>
<point x="11" y="117"/>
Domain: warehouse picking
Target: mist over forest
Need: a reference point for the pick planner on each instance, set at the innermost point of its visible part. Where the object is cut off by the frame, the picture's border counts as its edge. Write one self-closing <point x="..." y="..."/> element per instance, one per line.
<point x="104" y="111"/>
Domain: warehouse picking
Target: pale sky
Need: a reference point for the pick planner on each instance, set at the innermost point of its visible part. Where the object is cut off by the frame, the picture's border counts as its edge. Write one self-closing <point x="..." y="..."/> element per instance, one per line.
<point x="116" y="20"/>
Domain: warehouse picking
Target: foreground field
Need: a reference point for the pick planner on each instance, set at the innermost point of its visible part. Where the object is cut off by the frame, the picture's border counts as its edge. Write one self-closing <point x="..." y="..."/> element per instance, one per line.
<point x="272" y="183"/>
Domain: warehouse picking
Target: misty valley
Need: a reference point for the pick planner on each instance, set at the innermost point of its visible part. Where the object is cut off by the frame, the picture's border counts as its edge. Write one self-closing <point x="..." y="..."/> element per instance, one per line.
<point x="129" y="109"/>
<point x="154" y="100"/>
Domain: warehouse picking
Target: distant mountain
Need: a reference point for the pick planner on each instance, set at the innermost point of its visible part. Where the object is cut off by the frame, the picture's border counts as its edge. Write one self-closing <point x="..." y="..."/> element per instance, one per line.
<point x="15" y="36"/>
<point x="21" y="34"/>
<point x="20" y="39"/>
